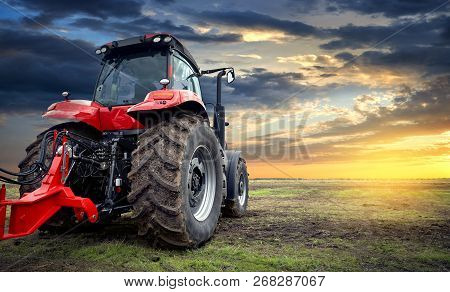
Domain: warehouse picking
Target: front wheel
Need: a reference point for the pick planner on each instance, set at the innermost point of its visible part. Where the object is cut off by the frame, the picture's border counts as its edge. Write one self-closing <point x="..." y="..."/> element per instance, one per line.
<point x="177" y="181"/>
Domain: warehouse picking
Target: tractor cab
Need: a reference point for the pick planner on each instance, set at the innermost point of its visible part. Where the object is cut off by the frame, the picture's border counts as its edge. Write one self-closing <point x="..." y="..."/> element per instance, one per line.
<point x="134" y="67"/>
<point x="139" y="76"/>
<point x="152" y="73"/>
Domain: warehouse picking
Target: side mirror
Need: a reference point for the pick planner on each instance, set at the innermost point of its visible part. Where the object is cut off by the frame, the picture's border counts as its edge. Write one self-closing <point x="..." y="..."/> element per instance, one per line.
<point x="164" y="82"/>
<point x="65" y="94"/>
<point x="230" y="76"/>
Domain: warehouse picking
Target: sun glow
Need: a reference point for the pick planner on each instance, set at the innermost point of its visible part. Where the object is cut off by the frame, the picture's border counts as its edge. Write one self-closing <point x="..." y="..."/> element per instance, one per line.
<point x="423" y="168"/>
<point x="259" y="36"/>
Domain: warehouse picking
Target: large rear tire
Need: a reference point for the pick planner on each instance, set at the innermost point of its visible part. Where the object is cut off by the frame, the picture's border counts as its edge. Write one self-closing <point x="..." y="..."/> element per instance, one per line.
<point x="177" y="181"/>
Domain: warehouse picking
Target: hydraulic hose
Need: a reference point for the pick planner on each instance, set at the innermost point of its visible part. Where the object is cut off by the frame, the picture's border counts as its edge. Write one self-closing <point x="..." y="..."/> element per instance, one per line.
<point x="38" y="167"/>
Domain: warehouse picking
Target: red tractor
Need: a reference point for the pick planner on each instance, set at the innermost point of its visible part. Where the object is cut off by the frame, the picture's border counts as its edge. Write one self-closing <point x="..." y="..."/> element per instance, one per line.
<point x="143" y="144"/>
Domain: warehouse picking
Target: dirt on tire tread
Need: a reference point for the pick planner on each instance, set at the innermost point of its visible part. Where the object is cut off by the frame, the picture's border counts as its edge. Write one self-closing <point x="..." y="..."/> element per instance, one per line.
<point x="158" y="205"/>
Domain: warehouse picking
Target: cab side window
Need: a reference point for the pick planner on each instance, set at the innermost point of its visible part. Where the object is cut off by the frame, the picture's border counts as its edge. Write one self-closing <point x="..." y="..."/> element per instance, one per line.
<point x="183" y="75"/>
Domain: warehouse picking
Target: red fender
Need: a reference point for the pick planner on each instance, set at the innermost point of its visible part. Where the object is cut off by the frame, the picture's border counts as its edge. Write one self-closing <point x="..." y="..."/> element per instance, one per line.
<point x="166" y="99"/>
<point x="85" y="111"/>
<point x="93" y="114"/>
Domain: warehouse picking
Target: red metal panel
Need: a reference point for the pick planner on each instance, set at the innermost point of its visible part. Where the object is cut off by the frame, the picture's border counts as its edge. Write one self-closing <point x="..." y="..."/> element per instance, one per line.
<point x="117" y="119"/>
<point x="164" y="99"/>
<point x="2" y="211"/>
<point x="93" y="114"/>
<point x="35" y="208"/>
<point x="76" y="110"/>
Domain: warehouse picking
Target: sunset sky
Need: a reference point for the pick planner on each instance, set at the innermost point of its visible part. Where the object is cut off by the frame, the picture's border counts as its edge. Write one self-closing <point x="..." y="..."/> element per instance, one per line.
<point x="324" y="89"/>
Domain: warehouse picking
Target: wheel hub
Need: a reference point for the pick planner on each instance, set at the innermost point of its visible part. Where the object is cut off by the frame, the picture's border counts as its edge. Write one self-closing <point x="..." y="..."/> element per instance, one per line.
<point x="242" y="189"/>
<point x="197" y="182"/>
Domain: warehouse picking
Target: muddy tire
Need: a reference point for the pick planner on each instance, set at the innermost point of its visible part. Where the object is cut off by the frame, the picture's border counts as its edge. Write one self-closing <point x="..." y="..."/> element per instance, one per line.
<point x="177" y="182"/>
<point x="237" y="186"/>
<point x="62" y="220"/>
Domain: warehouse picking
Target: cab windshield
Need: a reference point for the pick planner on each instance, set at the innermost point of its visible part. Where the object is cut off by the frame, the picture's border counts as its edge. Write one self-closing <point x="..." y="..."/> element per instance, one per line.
<point x="128" y="79"/>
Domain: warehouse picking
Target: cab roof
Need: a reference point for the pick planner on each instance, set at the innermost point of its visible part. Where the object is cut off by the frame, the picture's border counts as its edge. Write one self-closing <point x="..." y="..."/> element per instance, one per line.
<point x="148" y="40"/>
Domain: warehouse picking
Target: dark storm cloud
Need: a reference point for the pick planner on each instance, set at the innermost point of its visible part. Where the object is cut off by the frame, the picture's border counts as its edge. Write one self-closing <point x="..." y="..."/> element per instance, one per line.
<point x="253" y="20"/>
<point x="257" y="88"/>
<point x="49" y="10"/>
<point x="267" y="85"/>
<point x="165" y="1"/>
<point x="326" y="75"/>
<point x="144" y="25"/>
<point x="98" y="16"/>
<point x="423" y="47"/>
<point x="302" y="6"/>
<point x="389" y="8"/>
<point x="431" y="32"/>
<point x="35" y="68"/>
<point x="345" y="56"/>
<point x="432" y="60"/>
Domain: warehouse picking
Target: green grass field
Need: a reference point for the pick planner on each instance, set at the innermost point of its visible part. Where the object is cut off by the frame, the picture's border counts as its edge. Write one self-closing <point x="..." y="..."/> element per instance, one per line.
<point x="292" y="225"/>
